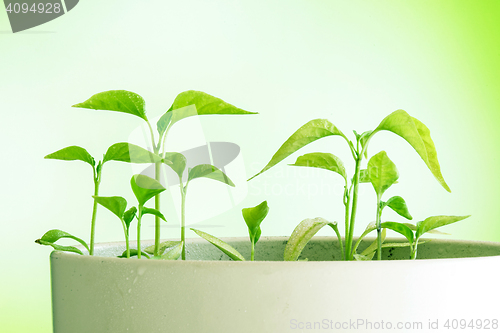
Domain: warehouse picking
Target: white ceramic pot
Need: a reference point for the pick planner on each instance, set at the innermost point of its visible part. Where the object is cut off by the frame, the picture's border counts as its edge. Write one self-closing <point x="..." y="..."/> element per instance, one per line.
<point x="108" y="294"/>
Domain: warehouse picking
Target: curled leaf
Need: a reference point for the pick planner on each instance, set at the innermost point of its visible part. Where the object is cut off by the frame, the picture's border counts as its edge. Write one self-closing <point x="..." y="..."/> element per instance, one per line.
<point x="253" y="217"/>
<point x="72" y="153"/>
<point x="208" y="171"/>
<point x="145" y="188"/>
<point x="54" y="235"/>
<point x="325" y="161"/>
<point x="221" y="245"/>
<point x="301" y="235"/>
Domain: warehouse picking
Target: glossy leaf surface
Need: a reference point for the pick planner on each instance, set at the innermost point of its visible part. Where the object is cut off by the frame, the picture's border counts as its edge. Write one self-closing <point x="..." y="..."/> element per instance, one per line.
<point x="399" y="228"/>
<point x="116" y="205"/>
<point x="72" y="153"/>
<point x="310" y="132"/>
<point x="253" y="218"/>
<point x="116" y="100"/>
<point x="54" y="235"/>
<point x="145" y="188"/>
<point x="129" y="215"/>
<point x="301" y="235"/>
<point x="221" y="245"/>
<point x="398" y="205"/>
<point x="382" y="172"/>
<point x="434" y="222"/>
<point x="152" y="211"/>
<point x="209" y="171"/>
<point x="418" y="136"/>
<point x="127" y="152"/>
<point x="325" y="161"/>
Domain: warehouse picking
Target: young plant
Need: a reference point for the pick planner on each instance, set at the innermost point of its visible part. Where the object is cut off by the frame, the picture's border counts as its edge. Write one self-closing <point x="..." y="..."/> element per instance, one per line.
<point x="178" y="165"/>
<point x="253" y="217"/>
<point x="399" y="122"/>
<point x="186" y="104"/>
<point x="123" y="152"/>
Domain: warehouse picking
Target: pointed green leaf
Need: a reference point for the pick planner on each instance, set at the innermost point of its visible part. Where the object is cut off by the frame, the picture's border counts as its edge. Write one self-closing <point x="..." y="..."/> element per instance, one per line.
<point x="435" y="231"/>
<point x="116" y="205"/>
<point x="54" y="235"/>
<point x="116" y="100"/>
<point x="301" y="235"/>
<point x="364" y="139"/>
<point x="127" y="152"/>
<point x="398" y="205"/>
<point x="152" y="211"/>
<point x="133" y="253"/>
<point x="253" y="217"/>
<point x="197" y="103"/>
<point x="59" y="247"/>
<point x="434" y="222"/>
<point x="382" y="172"/>
<point x="208" y="171"/>
<point x="369" y="228"/>
<point x="163" y="122"/>
<point x="72" y="153"/>
<point x="310" y="132"/>
<point x="178" y="162"/>
<point x="174" y="253"/>
<point x="129" y="215"/>
<point x="418" y="136"/>
<point x="162" y="247"/>
<point x="145" y="188"/>
<point x="221" y="245"/>
<point x="399" y="228"/>
<point x="325" y="161"/>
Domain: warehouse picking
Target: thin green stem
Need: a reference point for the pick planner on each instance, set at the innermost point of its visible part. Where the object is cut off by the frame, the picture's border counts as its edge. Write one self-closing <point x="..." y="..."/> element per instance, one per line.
<point x="354" y="207"/>
<point x="379" y="228"/>
<point x="336" y="229"/>
<point x="157" y="207"/>
<point x="97" y="181"/>
<point x="139" y="218"/>
<point x="252" y="255"/>
<point x="125" y="231"/>
<point x="183" y="219"/>
<point x="347" y="204"/>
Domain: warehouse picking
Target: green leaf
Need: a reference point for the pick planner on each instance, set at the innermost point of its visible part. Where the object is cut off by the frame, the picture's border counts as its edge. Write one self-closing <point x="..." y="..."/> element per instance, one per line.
<point x="221" y="245"/>
<point x="116" y="100"/>
<point x="145" y="188"/>
<point x="310" y="132"/>
<point x="399" y="228"/>
<point x="174" y="253"/>
<point x="369" y="228"/>
<point x="398" y="205"/>
<point x="435" y="231"/>
<point x="382" y="172"/>
<point x="301" y="235"/>
<point x="208" y="171"/>
<point x="72" y="153"/>
<point x="152" y="211"/>
<point x="178" y="162"/>
<point x="127" y="152"/>
<point x="325" y="161"/>
<point x="196" y="103"/>
<point x="363" y="176"/>
<point x="54" y="235"/>
<point x="253" y="217"/>
<point x="161" y="247"/>
<point x="133" y="253"/>
<point x="418" y="136"/>
<point x="116" y="205"/>
<point x="364" y="140"/>
<point x="163" y="122"/>
<point x="59" y="247"/>
<point x="434" y="222"/>
<point x="129" y="215"/>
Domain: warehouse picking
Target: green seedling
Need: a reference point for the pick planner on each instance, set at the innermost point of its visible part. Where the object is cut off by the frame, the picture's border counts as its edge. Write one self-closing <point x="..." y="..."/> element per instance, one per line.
<point x="178" y="164"/>
<point x="381" y="176"/>
<point x="123" y="152"/>
<point x="52" y="236"/>
<point x="253" y="217"/>
<point x="186" y="104"/>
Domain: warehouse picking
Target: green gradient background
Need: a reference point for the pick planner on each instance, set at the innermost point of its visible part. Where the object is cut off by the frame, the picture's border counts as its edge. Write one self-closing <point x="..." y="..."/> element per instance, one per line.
<point x="352" y="62"/>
